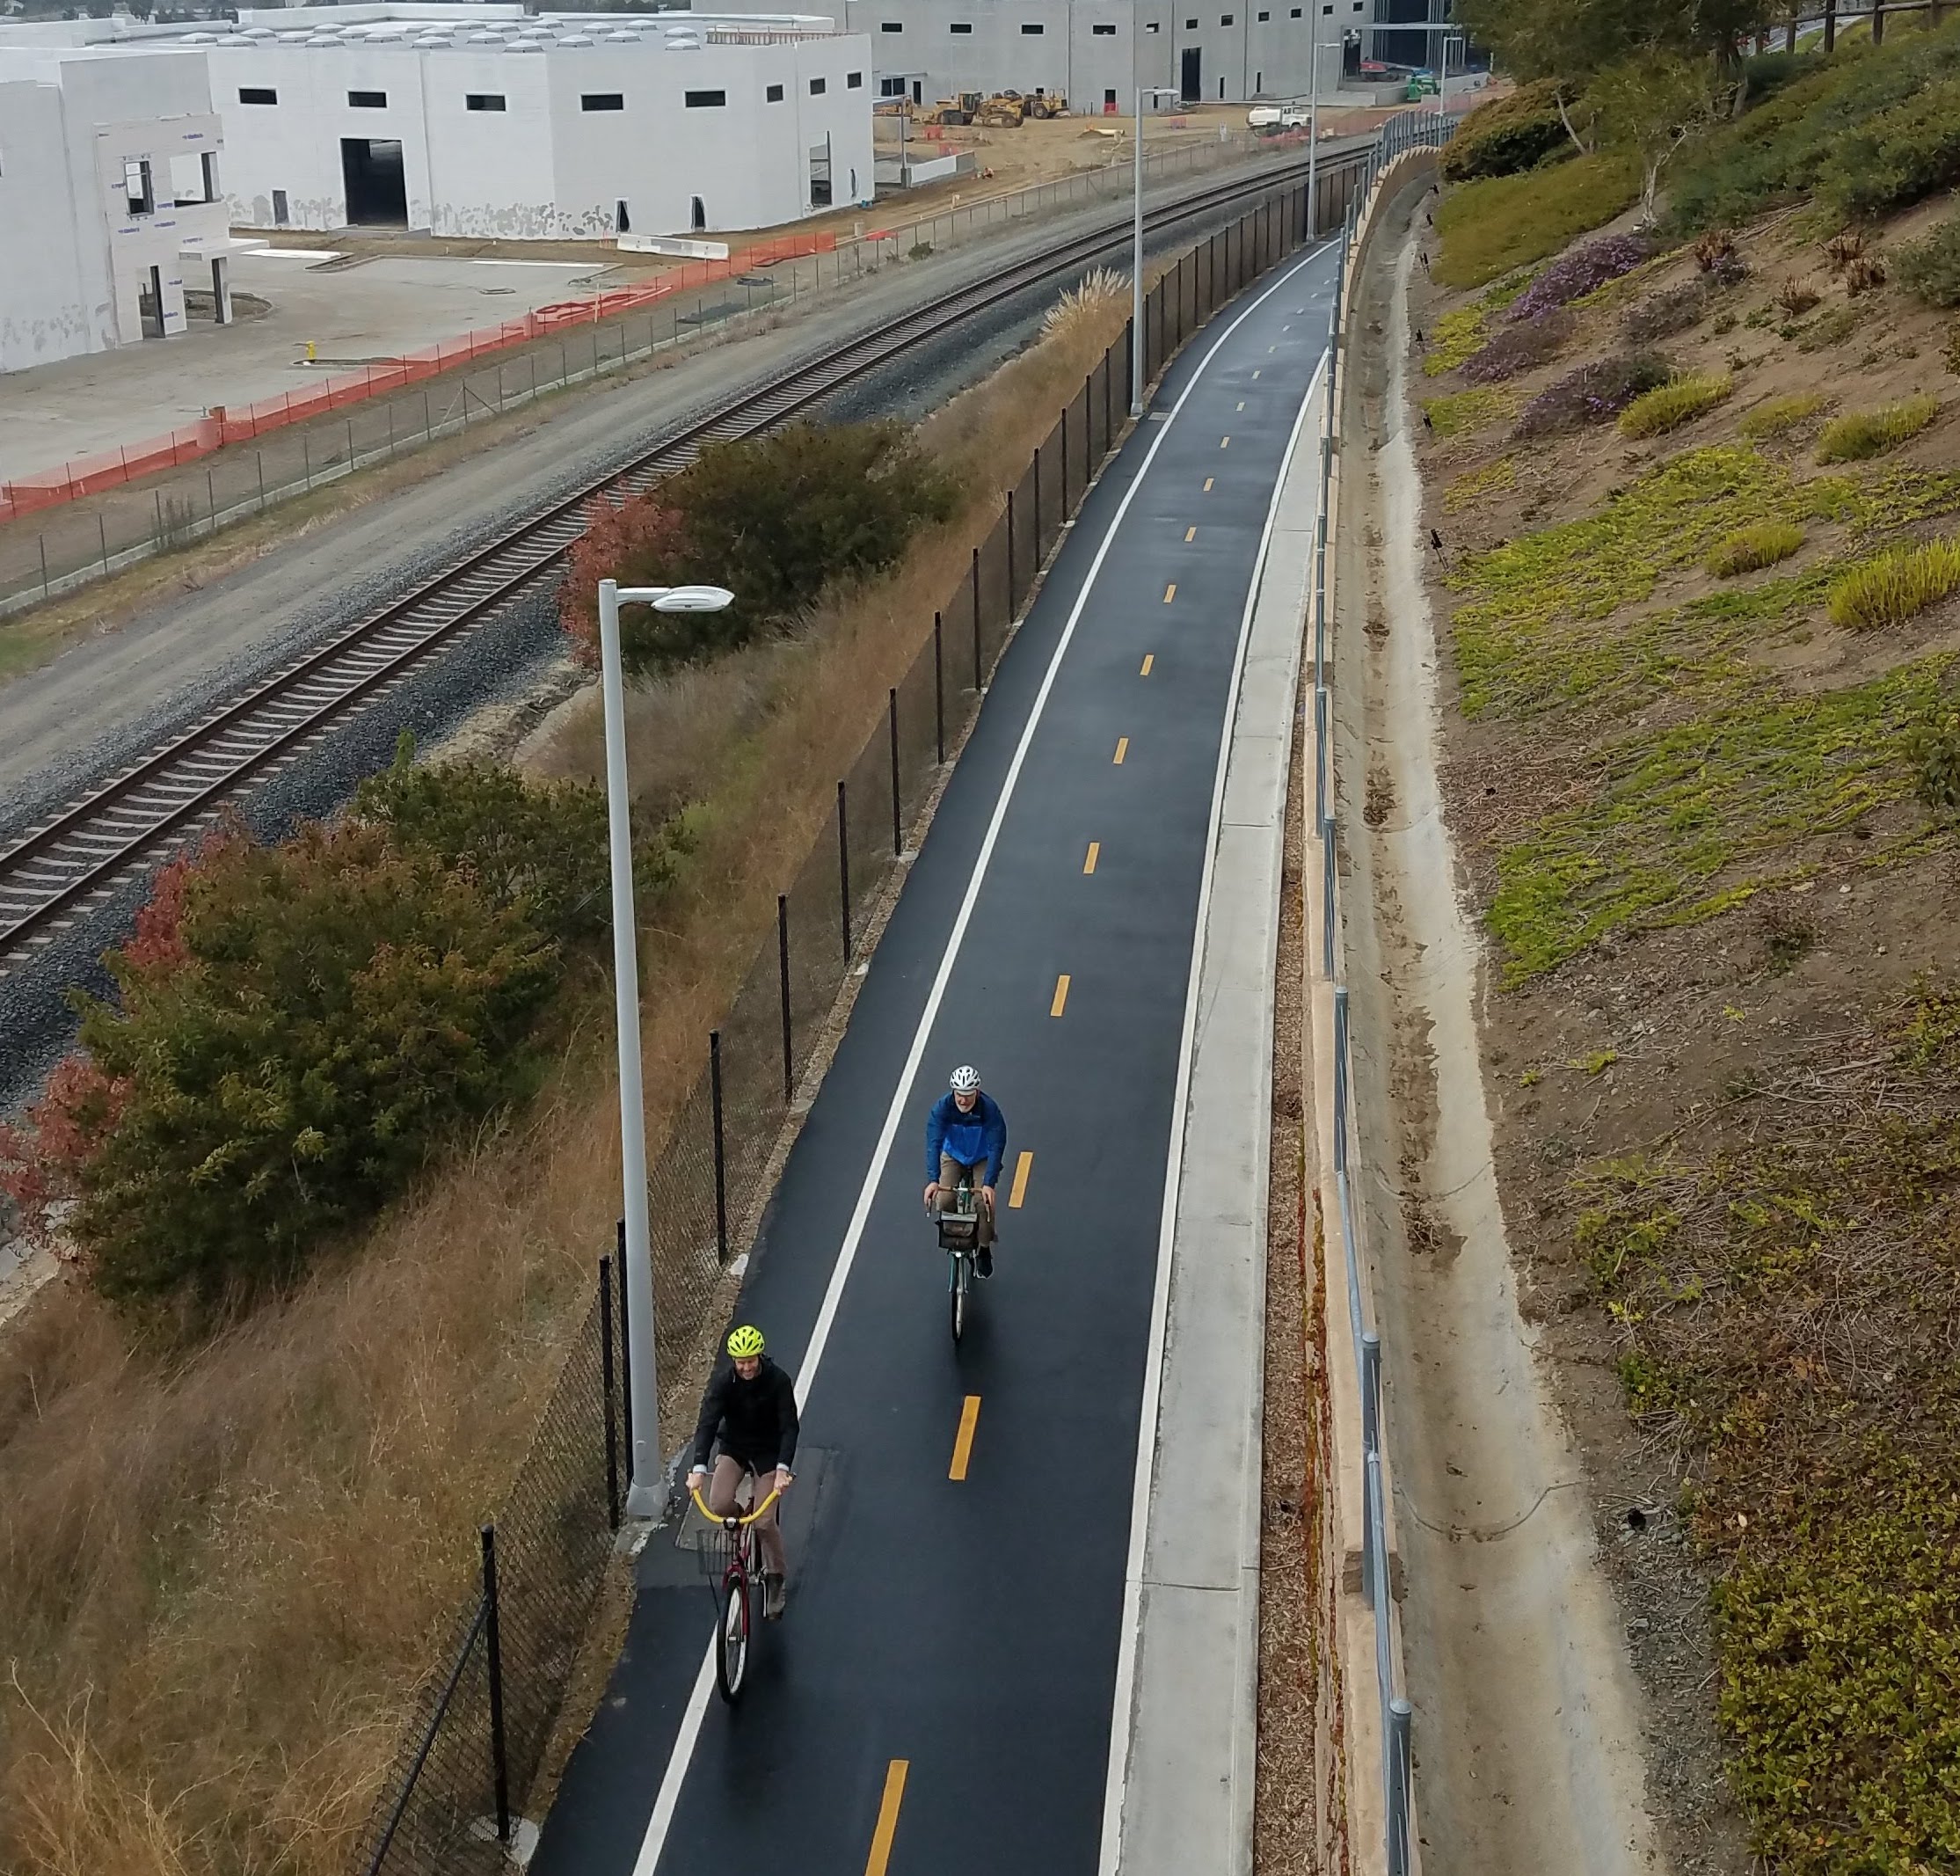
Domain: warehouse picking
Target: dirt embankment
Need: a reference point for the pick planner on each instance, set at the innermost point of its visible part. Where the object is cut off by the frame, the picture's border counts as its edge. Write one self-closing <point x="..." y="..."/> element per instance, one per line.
<point x="1698" y="672"/>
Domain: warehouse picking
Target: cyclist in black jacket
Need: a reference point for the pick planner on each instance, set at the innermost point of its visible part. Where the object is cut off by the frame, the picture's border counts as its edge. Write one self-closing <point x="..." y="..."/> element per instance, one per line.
<point x="751" y="1408"/>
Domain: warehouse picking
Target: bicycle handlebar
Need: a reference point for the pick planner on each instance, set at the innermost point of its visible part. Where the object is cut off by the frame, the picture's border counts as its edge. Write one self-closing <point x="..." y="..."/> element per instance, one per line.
<point x="732" y="1519"/>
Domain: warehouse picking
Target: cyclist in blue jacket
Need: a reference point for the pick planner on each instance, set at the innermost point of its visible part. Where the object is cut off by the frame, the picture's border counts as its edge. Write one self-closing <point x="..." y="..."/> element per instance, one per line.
<point x="966" y="1137"/>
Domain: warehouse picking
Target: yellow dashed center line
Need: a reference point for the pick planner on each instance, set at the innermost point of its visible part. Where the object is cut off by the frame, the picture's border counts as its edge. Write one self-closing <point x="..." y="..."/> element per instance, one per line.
<point x="1225" y="442"/>
<point x="1190" y="533"/>
<point x="1022" y="1168"/>
<point x="1171" y="592"/>
<point x="880" y="1858"/>
<point x="1122" y="749"/>
<point x="963" y="1441"/>
<point x="1095" y="853"/>
<point x="1208" y="481"/>
<point x="1149" y="658"/>
<point x="1255" y="373"/>
<point x="1241" y="404"/>
<point x="1060" y="1001"/>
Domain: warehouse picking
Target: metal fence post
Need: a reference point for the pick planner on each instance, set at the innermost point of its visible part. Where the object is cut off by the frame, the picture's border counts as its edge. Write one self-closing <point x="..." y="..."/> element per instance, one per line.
<point x="1399" y="1768"/>
<point x="43" y="539"/>
<point x="938" y="690"/>
<point x="625" y="1394"/>
<point x="1371" y="1390"/>
<point x="1010" y="554"/>
<point x="1328" y="864"/>
<point x="843" y="869"/>
<point x="495" y="1654"/>
<point x="976" y="623"/>
<point x="892" y="719"/>
<point x="721" y="1146"/>
<point x="606" y="1389"/>
<point x="783" y="979"/>
<point x="158" y="494"/>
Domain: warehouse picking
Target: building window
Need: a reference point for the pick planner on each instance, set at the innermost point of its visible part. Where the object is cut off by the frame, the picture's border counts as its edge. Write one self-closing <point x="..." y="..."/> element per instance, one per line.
<point x="1033" y="28"/>
<point x="139" y="186"/>
<point x="891" y="87"/>
<point x="817" y="87"/>
<point x="483" y="101"/>
<point x="210" y="158"/>
<point x="1109" y="94"/>
<point x="774" y="95"/>
<point x="704" y="100"/>
<point x="1191" y="26"/>
<point x="1296" y="12"/>
<point x="1225" y="20"/>
<point x="1150" y="26"/>
<point x="1104" y="32"/>
<point x="602" y="101"/>
<point x="257" y="94"/>
<point x="1263" y="18"/>
<point x="959" y="25"/>
<point x="890" y="26"/>
<point x="854" y="81"/>
<point x="368" y="100"/>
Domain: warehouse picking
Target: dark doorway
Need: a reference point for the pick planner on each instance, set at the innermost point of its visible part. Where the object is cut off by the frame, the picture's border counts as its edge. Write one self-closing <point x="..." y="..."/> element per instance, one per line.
<point x="820" y="174"/>
<point x="622" y="222"/>
<point x="150" y="304"/>
<point x="378" y="188"/>
<point x="1190" y="78"/>
<point x="697" y="214"/>
<point x="281" y="218"/>
<point x="918" y="91"/>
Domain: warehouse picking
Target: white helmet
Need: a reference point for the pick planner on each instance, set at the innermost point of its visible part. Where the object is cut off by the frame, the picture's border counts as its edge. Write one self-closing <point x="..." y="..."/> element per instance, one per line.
<point x="965" y="1080"/>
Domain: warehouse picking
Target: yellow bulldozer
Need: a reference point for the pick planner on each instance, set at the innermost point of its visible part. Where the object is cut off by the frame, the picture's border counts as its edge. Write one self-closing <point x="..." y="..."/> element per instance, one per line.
<point x="959" y="109"/>
<point x="1046" y="104"/>
<point x="1002" y="111"/>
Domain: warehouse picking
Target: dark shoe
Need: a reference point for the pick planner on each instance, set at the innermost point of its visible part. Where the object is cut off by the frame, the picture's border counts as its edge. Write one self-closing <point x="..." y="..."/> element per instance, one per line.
<point x="983" y="1264"/>
<point x="775" y="1595"/>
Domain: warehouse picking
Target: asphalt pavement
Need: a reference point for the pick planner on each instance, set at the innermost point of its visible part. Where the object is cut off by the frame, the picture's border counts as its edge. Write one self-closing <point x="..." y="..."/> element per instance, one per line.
<point x="939" y="1697"/>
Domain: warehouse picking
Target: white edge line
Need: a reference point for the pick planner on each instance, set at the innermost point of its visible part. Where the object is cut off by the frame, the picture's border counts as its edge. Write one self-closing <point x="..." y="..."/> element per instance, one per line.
<point x="1122" y="1729"/>
<point x="667" y="1799"/>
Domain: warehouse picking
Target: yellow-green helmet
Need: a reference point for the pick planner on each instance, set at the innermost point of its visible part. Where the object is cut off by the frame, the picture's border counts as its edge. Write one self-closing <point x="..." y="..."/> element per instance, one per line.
<point x="745" y="1342"/>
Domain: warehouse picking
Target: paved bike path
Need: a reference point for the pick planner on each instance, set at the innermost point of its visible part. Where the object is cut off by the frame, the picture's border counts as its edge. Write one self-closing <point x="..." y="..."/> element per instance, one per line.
<point x="971" y="1629"/>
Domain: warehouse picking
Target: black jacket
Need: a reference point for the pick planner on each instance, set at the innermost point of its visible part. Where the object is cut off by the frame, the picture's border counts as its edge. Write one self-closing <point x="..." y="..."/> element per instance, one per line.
<point x="756" y="1420"/>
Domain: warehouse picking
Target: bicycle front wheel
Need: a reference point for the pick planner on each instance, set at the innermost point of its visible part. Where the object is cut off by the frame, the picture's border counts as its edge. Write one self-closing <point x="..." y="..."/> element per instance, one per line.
<point x="956" y="1297"/>
<point x="731" y="1634"/>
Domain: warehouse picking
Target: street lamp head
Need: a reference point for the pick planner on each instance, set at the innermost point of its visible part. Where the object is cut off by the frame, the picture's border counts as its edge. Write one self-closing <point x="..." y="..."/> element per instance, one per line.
<point x="695" y="599"/>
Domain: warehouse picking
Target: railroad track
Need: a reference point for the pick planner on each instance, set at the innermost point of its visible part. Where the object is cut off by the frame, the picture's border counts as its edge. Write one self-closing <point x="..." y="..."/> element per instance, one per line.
<point x="59" y="871"/>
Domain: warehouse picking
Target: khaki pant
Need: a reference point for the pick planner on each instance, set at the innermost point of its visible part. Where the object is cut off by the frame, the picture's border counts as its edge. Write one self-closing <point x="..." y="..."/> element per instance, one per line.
<point x="951" y="1172"/>
<point x="722" y="1499"/>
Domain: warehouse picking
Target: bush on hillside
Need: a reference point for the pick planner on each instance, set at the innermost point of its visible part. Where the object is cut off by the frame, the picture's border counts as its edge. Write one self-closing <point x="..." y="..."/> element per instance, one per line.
<point x="1763" y="543"/>
<point x="1764" y="73"/>
<point x="1583" y="271"/>
<point x="1595" y="393"/>
<point x="1780" y="415"/>
<point x="1662" y="315"/>
<point x="1892" y="589"/>
<point x="1860" y="435"/>
<point x="1930" y="266"/>
<point x="1777" y="151"/>
<point x="306" y="1025"/>
<point x="1668" y="406"/>
<point x="1507" y="134"/>
<point x="1489" y="227"/>
<point x="1898" y="158"/>
<point x="775" y="519"/>
<point x="1521" y="348"/>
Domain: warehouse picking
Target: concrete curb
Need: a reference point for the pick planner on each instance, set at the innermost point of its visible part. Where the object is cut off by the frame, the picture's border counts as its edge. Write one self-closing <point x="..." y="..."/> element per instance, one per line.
<point x="1189" y="1806"/>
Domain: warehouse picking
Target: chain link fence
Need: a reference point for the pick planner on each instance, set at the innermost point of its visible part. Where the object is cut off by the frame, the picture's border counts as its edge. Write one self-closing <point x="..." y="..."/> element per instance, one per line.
<point x="467" y="1763"/>
<point x="84" y="540"/>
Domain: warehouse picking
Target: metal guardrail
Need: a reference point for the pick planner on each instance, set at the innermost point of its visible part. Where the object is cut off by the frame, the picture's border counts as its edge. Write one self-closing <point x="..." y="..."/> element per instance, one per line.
<point x="1411" y="130"/>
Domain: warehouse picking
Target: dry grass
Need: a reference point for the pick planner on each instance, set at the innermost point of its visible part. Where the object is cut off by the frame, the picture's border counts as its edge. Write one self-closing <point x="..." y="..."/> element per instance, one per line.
<point x="222" y="1576"/>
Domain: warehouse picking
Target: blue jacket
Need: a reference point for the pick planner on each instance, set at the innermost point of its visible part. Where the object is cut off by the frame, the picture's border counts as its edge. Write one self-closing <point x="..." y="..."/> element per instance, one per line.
<point x="967" y="1137"/>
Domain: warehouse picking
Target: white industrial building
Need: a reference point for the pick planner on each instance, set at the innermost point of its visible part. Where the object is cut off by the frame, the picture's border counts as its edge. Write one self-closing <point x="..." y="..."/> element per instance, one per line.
<point x="111" y="199"/>
<point x="1096" y="53"/>
<point x="485" y="120"/>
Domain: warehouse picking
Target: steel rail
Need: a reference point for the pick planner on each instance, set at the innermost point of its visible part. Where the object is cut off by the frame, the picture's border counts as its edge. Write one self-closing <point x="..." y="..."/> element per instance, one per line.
<point x="60" y="869"/>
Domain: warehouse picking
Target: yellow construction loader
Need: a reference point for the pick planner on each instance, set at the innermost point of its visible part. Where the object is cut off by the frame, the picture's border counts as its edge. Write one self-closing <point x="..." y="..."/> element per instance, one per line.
<point x="1002" y="111"/>
<point x="1047" y="103"/>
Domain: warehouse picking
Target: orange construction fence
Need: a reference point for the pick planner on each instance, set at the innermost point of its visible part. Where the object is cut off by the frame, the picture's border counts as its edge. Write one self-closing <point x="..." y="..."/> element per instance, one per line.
<point x="90" y="475"/>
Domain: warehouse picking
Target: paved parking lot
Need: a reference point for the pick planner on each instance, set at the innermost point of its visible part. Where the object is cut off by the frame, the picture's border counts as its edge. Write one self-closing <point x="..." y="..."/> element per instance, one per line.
<point x="377" y="308"/>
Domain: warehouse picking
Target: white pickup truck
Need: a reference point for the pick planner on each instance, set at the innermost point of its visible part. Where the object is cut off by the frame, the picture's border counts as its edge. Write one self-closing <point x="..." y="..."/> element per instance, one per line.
<point x="1276" y="117"/>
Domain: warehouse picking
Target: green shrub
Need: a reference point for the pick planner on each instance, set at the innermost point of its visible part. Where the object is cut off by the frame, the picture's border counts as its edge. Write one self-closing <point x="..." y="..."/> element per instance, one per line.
<point x="1655" y="412"/>
<point x="1898" y="158"/>
<point x="1892" y="589"/>
<point x="1777" y="152"/>
<point x="1467" y="409"/>
<point x="1507" y="134"/>
<point x="1457" y="335"/>
<point x="1780" y="415"/>
<point x="1748" y="549"/>
<point x="775" y="519"/>
<point x="1487" y="228"/>
<point x="1859" y="435"/>
<point x="309" y="1023"/>
<point x="1932" y="747"/>
<point x="1930" y="266"/>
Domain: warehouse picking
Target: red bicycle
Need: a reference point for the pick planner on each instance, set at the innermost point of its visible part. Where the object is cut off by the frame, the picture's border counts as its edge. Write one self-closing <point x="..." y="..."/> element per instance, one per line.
<point x="740" y="1587"/>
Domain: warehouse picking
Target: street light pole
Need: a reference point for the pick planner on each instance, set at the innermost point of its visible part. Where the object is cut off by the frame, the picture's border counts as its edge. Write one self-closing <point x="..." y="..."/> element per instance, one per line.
<point x="1151" y="91"/>
<point x="644" y="1495"/>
